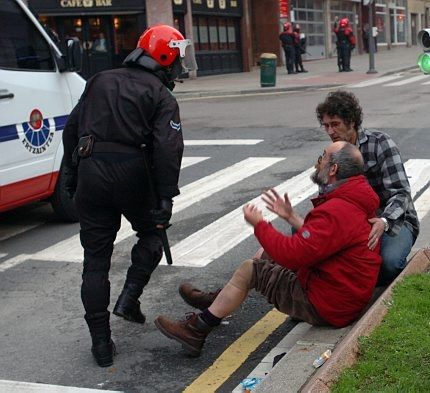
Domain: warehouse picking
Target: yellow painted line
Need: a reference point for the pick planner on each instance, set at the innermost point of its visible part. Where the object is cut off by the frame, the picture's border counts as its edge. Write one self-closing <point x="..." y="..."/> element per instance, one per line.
<point x="236" y="354"/>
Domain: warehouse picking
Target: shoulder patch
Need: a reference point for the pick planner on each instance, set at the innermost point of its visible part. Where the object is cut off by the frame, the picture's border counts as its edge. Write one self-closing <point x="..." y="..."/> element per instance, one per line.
<point x="175" y="126"/>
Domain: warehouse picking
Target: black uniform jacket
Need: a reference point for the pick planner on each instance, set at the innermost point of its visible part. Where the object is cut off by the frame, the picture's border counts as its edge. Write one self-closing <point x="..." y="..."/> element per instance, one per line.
<point x="131" y="106"/>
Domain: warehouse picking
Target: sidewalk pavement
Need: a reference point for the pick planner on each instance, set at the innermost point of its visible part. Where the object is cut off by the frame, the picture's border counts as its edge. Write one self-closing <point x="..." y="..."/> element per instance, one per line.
<point x="322" y="74"/>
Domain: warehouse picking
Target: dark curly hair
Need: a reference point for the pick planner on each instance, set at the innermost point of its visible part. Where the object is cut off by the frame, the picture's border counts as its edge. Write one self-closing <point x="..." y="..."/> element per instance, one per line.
<point x="343" y="104"/>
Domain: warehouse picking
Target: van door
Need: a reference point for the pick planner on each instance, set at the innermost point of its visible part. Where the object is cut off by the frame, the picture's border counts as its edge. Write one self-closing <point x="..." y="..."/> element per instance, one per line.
<point x="34" y="101"/>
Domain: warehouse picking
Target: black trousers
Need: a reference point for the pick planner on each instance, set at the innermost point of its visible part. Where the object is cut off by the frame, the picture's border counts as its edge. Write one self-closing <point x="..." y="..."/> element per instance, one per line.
<point x="289" y="58"/>
<point x="109" y="185"/>
<point x="298" y="59"/>
<point x="344" y="52"/>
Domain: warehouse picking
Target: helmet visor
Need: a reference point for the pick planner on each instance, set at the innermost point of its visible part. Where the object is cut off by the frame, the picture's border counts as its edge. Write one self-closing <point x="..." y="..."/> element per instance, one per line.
<point x="186" y="54"/>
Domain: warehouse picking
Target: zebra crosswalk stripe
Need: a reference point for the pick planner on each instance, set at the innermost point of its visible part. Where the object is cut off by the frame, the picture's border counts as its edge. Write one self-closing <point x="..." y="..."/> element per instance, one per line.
<point x="209" y="243"/>
<point x="214" y="240"/>
<point x="376" y="81"/>
<point x="408" y="80"/>
<point x="221" y="142"/>
<point x="188" y="161"/>
<point x="70" y="250"/>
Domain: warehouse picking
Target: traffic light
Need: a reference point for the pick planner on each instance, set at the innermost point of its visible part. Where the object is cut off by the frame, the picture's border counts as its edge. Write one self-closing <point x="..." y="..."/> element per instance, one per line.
<point x="424" y="58"/>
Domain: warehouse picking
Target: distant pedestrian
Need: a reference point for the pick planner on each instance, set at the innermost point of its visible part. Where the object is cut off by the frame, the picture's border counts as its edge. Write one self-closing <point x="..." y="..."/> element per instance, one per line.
<point x="287" y="41"/>
<point x="345" y="43"/>
<point x="397" y="224"/>
<point x="299" y="48"/>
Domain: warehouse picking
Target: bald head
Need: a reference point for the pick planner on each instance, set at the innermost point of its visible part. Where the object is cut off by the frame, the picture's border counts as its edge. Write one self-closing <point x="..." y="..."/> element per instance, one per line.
<point x="348" y="159"/>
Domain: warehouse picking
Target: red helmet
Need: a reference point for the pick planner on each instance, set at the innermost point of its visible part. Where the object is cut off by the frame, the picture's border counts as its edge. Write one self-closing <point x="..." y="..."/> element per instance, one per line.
<point x="163" y="43"/>
<point x="344" y="22"/>
<point x="287" y="26"/>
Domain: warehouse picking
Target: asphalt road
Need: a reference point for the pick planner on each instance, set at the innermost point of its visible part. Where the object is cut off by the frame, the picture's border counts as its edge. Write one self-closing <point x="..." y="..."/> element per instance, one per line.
<point x="43" y="337"/>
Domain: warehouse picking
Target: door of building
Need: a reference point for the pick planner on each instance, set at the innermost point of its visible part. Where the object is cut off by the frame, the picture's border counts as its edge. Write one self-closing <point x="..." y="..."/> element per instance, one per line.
<point x="95" y="37"/>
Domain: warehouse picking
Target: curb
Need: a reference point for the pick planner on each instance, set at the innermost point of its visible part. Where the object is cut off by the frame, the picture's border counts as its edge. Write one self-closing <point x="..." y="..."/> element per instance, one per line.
<point x="347" y="351"/>
<point x="267" y="90"/>
<point x="262" y="90"/>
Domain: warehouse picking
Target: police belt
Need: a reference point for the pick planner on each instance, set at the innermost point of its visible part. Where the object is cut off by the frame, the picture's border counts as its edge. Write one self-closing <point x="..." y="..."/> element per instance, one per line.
<point x="114" y="147"/>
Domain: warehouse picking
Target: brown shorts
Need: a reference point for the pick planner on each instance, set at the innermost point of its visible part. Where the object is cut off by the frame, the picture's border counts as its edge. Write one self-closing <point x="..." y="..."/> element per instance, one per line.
<point x="282" y="289"/>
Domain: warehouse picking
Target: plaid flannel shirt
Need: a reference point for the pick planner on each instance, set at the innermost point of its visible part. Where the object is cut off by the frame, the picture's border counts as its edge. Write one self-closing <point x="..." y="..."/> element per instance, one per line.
<point x="386" y="174"/>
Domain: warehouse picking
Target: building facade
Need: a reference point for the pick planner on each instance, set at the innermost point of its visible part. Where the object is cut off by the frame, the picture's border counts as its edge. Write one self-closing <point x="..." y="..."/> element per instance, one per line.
<point x="228" y="35"/>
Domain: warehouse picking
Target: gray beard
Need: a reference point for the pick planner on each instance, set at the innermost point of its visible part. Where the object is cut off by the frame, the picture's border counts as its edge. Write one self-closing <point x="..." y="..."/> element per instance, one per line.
<point x="321" y="177"/>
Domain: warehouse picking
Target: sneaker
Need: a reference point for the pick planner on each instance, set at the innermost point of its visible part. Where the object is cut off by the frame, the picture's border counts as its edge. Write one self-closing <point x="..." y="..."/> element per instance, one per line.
<point x="197" y="298"/>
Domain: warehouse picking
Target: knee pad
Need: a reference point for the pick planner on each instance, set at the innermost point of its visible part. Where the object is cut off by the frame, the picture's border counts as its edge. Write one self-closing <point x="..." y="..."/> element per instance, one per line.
<point x="243" y="275"/>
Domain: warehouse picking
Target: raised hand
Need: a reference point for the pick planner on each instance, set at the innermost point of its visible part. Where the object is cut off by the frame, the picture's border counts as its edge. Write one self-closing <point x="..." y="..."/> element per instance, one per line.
<point x="252" y="215"/>
<point x="277" y="205"/>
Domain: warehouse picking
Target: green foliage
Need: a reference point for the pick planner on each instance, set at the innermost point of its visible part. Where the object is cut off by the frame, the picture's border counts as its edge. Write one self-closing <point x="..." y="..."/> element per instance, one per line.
<point x="396" y="356"/>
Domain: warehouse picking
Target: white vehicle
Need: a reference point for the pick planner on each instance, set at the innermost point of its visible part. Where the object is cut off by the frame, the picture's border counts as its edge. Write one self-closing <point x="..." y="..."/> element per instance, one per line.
<point x="38" y="89"/>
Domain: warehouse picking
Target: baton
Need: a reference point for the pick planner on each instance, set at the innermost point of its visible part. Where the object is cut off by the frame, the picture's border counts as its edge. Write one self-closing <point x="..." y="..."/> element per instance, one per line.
<point x="154" y="198"/>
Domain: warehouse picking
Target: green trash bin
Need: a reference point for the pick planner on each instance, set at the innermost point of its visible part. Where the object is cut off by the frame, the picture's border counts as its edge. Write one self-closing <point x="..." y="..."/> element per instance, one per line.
<point x="268" y="69"/>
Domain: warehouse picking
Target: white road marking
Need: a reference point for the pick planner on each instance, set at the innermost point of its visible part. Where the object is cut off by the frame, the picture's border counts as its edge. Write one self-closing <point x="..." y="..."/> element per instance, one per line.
<point x="426" y="83"/>
<point x="418" y="171"/>
<point x="27" y="387"/>
<point x="221" y="142"/>
<point x="12" y="262"/>
<point x="408" y="80"/>
<point x="14" y="230"/>
<point x="208" y="185"/>
<point x="212" y="241"/>
<point x="70" y="250"/>
<point x="2" y="255"/>
<point x="376" y="81"/>
<point x="209" y="243"/>
<point x="422" y="204"/>
<point x="188" y="161"/>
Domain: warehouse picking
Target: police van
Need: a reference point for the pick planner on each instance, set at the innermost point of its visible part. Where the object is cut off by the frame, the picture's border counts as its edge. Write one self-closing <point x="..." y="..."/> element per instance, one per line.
<point x="38" y="89"/>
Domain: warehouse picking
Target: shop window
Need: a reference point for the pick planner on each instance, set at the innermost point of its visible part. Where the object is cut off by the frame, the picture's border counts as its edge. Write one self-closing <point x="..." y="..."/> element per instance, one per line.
<point x="222" y="31"/>
<point x="381" y="16"/>
<point x="213" y="34"/>
<point x="196" y="36"/>
<point x="231" y="30"/>
<point x="125" y="34"/>
<point x="203" y="34"/>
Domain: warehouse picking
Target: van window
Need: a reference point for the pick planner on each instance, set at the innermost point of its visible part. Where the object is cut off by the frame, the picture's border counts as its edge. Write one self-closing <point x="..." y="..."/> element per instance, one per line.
<point x="22" y="47"/>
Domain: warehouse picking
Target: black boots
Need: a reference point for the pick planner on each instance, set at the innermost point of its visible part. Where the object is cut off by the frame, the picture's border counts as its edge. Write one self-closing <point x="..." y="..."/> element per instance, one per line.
<point x="103" y="348"/>
<point x="127" y="305"/>
<point x="103" y="351"/>
<point x="191" y="332"/>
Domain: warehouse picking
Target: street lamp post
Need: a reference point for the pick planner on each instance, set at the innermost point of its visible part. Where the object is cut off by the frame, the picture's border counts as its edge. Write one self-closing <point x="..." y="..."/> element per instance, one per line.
<point x="371" y="41"/>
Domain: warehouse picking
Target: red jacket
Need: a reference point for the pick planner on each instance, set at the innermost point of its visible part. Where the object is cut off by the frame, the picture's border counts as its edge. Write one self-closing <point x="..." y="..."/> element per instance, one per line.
<point x="329" y="253"/>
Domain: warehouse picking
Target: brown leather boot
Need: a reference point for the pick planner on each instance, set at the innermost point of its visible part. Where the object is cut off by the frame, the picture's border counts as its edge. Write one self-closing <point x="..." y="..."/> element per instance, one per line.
<point x="195" y="297"/>
<point x="190" y="332"/>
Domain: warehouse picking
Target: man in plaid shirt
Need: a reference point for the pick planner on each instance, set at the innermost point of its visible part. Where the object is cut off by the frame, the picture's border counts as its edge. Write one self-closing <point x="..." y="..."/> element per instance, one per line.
<point x="397" y="225"/>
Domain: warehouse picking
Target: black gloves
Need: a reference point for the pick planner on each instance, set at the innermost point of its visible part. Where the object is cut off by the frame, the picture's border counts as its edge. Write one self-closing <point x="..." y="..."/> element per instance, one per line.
<point x="161" y="216"/>
<point x="70" y="180"/>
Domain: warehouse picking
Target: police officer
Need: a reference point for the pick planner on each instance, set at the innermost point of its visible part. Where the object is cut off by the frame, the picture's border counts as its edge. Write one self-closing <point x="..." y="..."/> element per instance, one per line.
<point x="287" y="41"/>
<point x="345" y="44"/>
<point x="299" y="47"/>
<point x="119" y="111"/>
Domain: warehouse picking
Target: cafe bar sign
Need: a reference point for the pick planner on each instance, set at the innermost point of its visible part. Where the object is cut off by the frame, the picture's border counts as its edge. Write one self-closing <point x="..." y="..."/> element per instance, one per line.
<point x="58" y="7"/>
<point x="86" y="3"/>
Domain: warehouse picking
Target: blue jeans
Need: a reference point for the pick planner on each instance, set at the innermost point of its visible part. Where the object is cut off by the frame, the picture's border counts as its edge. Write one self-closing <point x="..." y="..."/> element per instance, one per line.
<point x="394" y="251"/>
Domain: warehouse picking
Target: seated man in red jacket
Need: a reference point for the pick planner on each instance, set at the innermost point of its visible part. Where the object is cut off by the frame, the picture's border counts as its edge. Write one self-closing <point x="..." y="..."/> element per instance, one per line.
<point x="324" y="274"/>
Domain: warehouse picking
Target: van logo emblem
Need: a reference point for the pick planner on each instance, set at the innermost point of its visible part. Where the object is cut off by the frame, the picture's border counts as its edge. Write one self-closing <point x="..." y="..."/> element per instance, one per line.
<point x="37" y="133"/>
